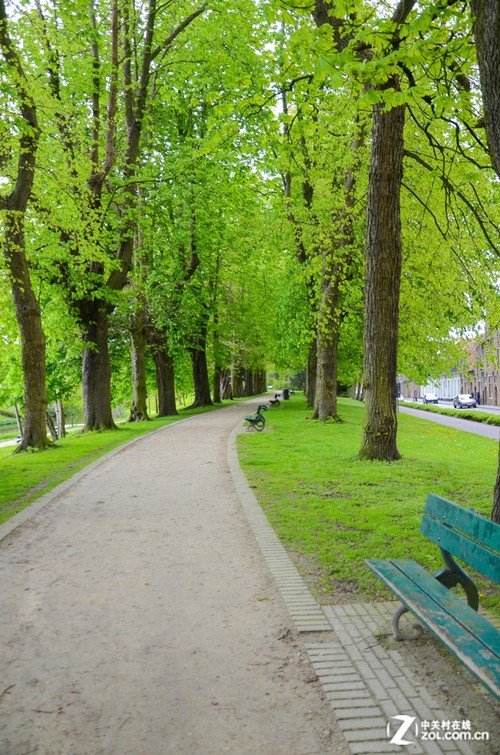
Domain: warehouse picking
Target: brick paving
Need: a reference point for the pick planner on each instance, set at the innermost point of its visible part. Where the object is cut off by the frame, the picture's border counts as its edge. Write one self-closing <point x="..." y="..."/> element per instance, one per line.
<point x="366" y="684"/>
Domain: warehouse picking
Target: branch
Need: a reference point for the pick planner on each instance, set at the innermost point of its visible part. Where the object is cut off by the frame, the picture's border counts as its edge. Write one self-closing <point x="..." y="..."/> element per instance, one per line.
<point x="28" y="142"/>
<point x="448" y="186"/>
<point x="175" y="33"/>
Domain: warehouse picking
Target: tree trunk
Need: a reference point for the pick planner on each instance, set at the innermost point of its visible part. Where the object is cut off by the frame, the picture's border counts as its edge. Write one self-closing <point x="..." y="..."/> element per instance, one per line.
<point x="261" y="381"/>
<point x="96" y="372"/>
<point x="487" y="34"/>
<point x="311" y="373"/>
<point x="60" y="418"/>
<point x="19" y="421"/>
<point x="29" y="321"/>
<point x="217" y="384"/>
<point x="328" y="331"/>
<point x="226" y="389"/>
<point x="52" y="427"/>
<point x="249" y="385"/>
<point x="139" y="409"/>
<point x="165" y="381"/>
<point x="495" y="513"/>
<point x="236" y="381"/>
<point x="15" y="205"/>
<point x="200" y="374"/>
<point x="382" y="285"/>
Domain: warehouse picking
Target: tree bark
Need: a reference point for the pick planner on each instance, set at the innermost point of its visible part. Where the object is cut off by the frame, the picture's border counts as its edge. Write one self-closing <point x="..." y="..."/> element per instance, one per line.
<point x="311" y="373"/>
<point x="217" y="385"/>
<point x="165" y="382"/>
<point x="29" y="321"/>
<point x="226" y="390"/>
<point x="200" y="374"/>
<point x="15" y="205"/>
<point x="96" y="373"/>
<point x="382" y="284"/>
<point x="487" y="34"/>
<point x="60" y="418"/>
<point x="249" y="384"/>
<point x="139" y="409"/>
<point x="19" y="421"/>
<point x="237" y="390"/>
<point x="495" y="512"/>
<point x="328" y="330"/>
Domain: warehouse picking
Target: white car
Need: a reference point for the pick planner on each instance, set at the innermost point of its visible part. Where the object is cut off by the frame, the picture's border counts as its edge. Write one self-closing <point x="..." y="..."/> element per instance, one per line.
<point x="430" y="398"/>
<point x="464" y="400"/>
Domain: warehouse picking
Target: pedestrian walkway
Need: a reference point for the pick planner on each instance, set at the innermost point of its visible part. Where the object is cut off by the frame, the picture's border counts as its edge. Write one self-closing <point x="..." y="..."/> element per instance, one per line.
<point x="138" y="616"/>
<point x="366" y="684"/>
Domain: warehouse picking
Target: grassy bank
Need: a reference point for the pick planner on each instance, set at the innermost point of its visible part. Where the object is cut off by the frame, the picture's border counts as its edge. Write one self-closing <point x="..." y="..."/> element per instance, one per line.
<point x="332" y="510"/>
<point x="27" y="476"/>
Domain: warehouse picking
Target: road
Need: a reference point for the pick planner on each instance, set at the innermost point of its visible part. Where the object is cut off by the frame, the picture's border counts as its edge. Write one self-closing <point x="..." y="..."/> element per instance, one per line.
<point x="467" y="425"/>
<point x="139" y="618"/>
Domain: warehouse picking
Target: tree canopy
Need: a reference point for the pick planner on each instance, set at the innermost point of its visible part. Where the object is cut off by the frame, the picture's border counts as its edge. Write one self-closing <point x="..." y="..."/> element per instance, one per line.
<point x="193" y="193"/>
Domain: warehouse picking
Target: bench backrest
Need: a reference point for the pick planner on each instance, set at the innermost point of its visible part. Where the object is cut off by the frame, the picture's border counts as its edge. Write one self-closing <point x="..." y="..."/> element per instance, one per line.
<point x="465" y="534"/>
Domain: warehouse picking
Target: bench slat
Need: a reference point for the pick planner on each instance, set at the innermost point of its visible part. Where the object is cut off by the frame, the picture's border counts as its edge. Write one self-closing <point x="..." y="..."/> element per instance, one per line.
<point x="474" y="641"/>
<point x="472" y="524"/>
<point x="458" y="544"/>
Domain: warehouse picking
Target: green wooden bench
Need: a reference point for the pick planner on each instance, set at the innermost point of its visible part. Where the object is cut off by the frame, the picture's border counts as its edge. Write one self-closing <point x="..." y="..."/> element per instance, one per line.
<point x="475" y="541"/>
<point x="257" y="420"/>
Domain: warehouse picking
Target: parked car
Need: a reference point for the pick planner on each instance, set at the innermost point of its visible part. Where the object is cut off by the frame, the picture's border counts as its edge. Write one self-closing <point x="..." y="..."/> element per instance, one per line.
<point x="430" y="398"/>
<point x="464" y="400"/>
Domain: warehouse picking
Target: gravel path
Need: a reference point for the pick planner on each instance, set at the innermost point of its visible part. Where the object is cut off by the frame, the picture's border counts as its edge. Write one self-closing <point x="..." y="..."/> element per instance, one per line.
<point x="138" y="618"/>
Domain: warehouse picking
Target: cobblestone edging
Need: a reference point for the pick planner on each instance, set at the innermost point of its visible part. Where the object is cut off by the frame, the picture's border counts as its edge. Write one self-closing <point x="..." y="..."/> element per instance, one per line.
<point x="368" y="685"/>
<point x="365" y="684"/>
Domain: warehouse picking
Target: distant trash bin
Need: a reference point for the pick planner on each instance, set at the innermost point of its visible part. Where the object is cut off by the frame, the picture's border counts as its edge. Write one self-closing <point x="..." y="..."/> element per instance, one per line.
<point x="285" y="394"/>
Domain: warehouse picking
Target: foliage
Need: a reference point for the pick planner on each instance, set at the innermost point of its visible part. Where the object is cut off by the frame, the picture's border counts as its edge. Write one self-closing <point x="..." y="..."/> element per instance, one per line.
<point x="240" y="121"/>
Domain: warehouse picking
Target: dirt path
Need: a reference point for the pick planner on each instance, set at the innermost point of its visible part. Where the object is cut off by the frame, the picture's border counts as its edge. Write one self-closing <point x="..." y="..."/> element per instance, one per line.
<point x="137" y="617"/>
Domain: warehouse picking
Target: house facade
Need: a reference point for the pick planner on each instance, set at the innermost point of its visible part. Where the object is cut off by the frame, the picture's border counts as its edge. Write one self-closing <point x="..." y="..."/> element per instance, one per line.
<point x="479" y="375"/>
<point x="483" y="374"/>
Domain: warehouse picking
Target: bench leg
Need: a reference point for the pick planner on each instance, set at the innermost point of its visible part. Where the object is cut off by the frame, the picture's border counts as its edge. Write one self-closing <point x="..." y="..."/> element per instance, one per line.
<point x="398" y="634"/>
<point x="453" y="575"/>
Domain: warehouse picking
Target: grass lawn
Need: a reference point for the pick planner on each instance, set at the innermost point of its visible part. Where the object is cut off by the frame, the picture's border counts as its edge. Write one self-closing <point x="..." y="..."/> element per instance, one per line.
<point x="332" y="510"/>
<point x="24" y="477"/>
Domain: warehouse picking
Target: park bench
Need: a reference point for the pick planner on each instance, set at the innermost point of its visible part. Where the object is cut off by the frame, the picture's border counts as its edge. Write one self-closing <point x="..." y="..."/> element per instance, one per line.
<point x="257" y="420"/>
<point x="475" y="541"/>
<point x="274" y="401"/>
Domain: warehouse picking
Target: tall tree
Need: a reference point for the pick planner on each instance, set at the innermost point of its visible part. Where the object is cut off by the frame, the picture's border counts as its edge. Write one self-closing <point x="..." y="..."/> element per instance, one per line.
<point x="129" y="54"/>
<point x="13" y="205"/>
<point x="382" y="284"/>
<point x="487" y="36"/>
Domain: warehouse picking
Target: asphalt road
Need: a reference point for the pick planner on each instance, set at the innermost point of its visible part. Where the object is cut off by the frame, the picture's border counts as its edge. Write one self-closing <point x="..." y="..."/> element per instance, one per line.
<point x="467" y="425"/>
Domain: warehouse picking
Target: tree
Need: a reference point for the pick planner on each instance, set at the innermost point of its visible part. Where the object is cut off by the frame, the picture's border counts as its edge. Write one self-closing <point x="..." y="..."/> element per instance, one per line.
<point x="13" y="205"/>
<point x="382" y="282"/>
<point x="103" y="155"/>
<point x="487" y="34"/>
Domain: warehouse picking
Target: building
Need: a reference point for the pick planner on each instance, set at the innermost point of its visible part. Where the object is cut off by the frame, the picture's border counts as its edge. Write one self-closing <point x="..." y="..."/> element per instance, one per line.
<point x="446" y="387"/>
<point x="482" y="371"/>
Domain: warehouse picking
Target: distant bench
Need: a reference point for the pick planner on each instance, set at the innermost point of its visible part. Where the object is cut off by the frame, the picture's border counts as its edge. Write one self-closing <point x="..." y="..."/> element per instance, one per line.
<point x="257" y="420"/>
<point x="475" y="540"/>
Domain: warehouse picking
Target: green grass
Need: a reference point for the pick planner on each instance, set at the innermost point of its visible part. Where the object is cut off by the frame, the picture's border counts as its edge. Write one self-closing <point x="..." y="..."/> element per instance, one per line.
<point x="333" y="510"/>
<point x="330" y="509"/>
<point x="27" y="476"/>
